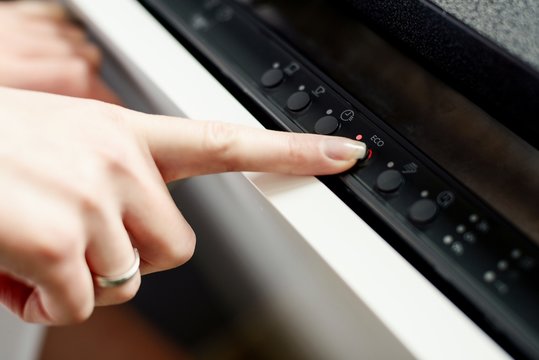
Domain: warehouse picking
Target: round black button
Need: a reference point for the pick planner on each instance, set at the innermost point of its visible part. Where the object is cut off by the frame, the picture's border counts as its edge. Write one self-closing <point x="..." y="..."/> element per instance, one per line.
<point x="326" y="125"/>
<point x="423" y="211"/>
<point x="298" y="101"/>
<point x="272" y="78"/>
<point x="389" y="181"/>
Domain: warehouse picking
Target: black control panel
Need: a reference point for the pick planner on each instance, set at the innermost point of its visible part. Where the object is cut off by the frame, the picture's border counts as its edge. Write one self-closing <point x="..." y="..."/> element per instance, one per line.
<point x="481" y="254"/>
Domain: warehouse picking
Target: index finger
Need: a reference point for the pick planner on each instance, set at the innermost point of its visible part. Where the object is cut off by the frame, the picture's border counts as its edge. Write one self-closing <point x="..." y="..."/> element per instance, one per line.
<point x="182" y="148"/>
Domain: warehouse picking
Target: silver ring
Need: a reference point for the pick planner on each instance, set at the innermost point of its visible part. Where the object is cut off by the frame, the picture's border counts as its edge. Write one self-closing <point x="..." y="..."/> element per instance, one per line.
<point x="114" y="281"/>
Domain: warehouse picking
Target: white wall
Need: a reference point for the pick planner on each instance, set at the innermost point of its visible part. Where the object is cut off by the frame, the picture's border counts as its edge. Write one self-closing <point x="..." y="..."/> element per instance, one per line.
<point x="18" y="340"/>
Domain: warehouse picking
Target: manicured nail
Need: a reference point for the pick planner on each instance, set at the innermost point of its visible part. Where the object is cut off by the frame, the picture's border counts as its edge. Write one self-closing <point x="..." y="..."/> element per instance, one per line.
<point x="344" y="149"/>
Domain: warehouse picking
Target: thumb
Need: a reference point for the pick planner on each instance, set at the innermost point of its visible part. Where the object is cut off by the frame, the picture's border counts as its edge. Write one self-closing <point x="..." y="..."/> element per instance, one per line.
<point x="28" y="303"/>
<point x="182" y="148"/>
<point x="14" y="294"/>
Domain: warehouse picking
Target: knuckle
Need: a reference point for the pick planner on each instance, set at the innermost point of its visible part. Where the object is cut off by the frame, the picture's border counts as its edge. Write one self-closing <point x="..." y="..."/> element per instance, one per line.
<point x="77" y="314"/>
<point x="188" y="246"/>
<point x="120" y="152"/>
<point x="112" y="113"/>
<point x="88" y="199"/>
<point x="117" y="162"/>
<point x="180" y="251"/>
<point x="59" y="245"/>
<point x="295" y="152"/>
<point x="71" y="309"/>
<point x="218" y="141"/>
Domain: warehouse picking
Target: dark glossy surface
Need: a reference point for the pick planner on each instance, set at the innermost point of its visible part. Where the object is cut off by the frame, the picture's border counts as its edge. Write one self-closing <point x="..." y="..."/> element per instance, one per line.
<point x="500" y="82"/>
<point x="471" y="145"/>
<point x="511" y="24"/>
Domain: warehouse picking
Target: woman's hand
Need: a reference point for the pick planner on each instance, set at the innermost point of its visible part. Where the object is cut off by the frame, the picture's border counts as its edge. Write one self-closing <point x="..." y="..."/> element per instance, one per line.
<point x="83" y="182"/>
<point x="42" y="50"/>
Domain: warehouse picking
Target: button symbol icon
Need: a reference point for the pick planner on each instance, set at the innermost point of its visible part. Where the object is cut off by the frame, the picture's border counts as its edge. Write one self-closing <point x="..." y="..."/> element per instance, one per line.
<point x="457" y="248"/>
<point x="516" y="253"/>
<point x="199" y="22"/>
<point x="527" y="263"/>
<point x="292" y="69"/>
<point x="410" y="168"/>
<point x="503" y="265"/>
<point x="224" y="14"/>
<point x="448" y="239"/>
<point x="489" y="276"/>
<point x="501" y="287"/>
<point x="319" y="91"/>
<point x="348" y="115"/>
<point x="469" y="237"/>
<point x="483" y="226"/>
<point x="445" y="198"/>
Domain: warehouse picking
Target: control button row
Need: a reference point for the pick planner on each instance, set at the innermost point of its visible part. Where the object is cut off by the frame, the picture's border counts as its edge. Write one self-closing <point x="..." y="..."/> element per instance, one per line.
<point x="421" y="212"/>
<point x="300" y="100"/>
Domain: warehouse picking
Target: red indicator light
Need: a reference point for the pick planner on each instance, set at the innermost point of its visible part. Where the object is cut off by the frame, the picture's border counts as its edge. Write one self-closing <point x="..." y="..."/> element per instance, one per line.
<point x="369" y="154"/>
<point x="359" y="137"/>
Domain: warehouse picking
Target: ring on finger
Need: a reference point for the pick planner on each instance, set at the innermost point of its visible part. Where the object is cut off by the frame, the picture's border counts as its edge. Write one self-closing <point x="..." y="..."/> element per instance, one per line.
<point x="115" y="281"/>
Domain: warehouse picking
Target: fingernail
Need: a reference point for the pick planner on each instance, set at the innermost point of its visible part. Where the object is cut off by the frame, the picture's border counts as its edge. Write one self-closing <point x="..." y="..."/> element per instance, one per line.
<point x="344" y="149"/>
